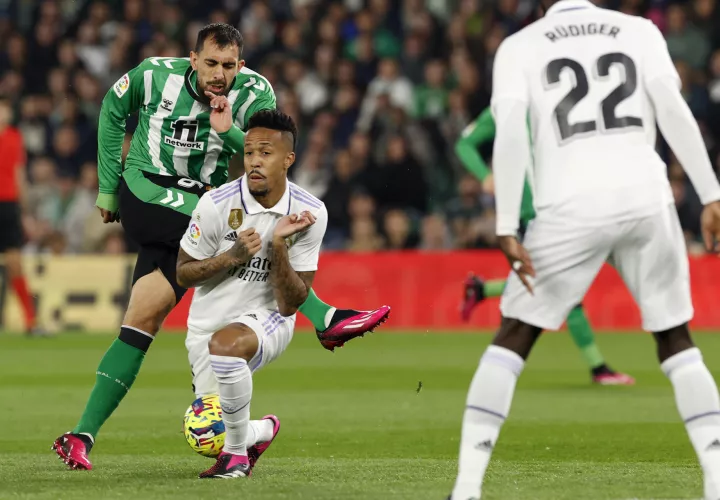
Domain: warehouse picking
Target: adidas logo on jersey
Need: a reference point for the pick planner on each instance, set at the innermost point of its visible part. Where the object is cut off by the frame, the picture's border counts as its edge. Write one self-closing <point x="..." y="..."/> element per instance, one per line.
<point x="231" y="236"/>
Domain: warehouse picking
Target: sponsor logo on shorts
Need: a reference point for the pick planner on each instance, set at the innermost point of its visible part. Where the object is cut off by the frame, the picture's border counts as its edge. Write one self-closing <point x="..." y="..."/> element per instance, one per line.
<point x="122" y="85"/>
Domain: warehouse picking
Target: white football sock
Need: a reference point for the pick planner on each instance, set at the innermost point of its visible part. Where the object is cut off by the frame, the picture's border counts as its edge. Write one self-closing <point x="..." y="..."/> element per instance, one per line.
<point x="259" y="431"/>
<point x="488" y="404"/>
<point x="696" y="396"/>
<point x="235" y="387"/>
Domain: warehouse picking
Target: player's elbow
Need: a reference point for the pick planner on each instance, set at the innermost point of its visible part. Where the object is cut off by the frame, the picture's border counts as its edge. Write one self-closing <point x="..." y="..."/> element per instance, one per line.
<point x="290" y="305"/>
<point x="461" y="146"/>
<point x="286" y="310"/>
<point x="181" y="277"/>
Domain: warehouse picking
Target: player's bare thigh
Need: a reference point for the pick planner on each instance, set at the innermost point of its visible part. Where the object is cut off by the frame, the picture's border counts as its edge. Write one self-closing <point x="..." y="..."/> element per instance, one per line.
<point x="234" y="340"/>
<point x="151" y="300"/>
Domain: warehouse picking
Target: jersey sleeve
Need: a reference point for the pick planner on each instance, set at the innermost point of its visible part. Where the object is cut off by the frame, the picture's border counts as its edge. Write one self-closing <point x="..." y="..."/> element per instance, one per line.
<point x="658" y="63"/>
<point x="511" y="153"/>
<point x="261" y="96"/>
<point x="479" y="132"/>
<point x="264" y="98"/>
<point x="203" y="235"/>
<point x="305" y="253"/>
<point x="18" y="159"/>
<point x="124" y="97"/>
<point x="509" y="79"/>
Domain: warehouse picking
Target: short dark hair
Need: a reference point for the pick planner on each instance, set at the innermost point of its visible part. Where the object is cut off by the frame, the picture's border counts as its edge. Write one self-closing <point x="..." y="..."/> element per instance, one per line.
<point x="222" y="34"/>
<point x="274" y="119"/>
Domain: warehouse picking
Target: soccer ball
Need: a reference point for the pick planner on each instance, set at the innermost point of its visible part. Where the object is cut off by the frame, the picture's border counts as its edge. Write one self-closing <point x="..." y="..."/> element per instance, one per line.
<point x="203" y="426"/>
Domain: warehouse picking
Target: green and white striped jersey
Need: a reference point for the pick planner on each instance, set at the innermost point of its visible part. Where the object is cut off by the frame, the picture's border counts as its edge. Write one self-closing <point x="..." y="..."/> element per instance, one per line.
<point x="174" y="136"/>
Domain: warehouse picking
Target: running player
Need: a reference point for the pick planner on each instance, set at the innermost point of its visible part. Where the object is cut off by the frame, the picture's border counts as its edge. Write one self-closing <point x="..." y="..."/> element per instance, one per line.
<point x="480" y="132"/>
<point x="179" y="151"/>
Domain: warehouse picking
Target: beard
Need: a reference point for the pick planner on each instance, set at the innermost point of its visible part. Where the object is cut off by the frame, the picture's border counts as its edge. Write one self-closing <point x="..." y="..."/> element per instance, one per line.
<point x="204" y="86"/>
<point x="259" y="192"/>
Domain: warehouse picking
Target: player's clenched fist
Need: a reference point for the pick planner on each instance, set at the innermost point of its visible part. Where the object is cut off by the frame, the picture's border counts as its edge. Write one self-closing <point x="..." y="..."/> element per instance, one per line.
<point x="247" y="244"/>
<point x="292" y="224"/>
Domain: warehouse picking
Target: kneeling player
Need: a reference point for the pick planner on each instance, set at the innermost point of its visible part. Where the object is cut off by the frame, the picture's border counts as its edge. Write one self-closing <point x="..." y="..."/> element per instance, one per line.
<point x="251" y="250"/>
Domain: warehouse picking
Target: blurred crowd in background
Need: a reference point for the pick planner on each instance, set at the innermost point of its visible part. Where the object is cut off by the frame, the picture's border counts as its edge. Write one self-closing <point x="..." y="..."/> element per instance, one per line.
<point x="381" y="91"/>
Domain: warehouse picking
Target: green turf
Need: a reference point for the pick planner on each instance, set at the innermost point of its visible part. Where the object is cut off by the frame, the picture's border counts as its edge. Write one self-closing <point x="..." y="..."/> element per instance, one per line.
<point x="354" y="426"/>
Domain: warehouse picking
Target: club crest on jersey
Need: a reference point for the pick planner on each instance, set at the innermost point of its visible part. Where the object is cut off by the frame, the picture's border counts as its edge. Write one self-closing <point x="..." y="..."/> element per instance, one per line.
<point x="235" y="218"/>
<point x="122" y="85"/>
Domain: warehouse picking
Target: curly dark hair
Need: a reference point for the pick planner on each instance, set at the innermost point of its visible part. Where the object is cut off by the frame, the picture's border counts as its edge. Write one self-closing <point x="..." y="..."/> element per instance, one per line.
<point x="274" y="120"/>
<point x="222" y="34"/>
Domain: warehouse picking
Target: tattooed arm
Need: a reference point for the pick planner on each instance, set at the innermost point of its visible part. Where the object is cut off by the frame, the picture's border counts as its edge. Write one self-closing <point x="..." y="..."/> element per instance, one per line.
<point x="289" y="287"/>
<point x="192" y="272"/>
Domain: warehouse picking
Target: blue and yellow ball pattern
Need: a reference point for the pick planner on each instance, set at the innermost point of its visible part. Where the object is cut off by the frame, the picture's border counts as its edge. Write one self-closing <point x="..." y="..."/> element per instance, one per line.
<point x="203" y="426"/>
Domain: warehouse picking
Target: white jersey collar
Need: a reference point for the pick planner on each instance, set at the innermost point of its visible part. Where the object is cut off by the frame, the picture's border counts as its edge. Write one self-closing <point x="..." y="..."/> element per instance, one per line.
<point x="569" y="5"/>
<point x="252" y="207"/>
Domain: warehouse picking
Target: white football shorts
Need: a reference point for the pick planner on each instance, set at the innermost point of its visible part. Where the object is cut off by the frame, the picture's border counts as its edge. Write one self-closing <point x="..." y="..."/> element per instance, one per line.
<point x="649" y="253"/>
<point x="274" y="333"/>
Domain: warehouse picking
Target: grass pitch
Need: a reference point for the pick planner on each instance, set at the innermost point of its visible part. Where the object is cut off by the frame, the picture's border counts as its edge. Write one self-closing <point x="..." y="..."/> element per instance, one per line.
<point x="354" y="425"/>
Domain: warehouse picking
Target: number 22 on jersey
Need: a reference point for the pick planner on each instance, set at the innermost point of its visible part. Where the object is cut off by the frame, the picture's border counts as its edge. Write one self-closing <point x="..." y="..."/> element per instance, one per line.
<point x="607" y="118"/>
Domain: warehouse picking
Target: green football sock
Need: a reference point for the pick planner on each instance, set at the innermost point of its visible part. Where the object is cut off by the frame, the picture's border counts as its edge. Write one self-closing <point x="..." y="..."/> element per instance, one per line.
<point x="583" y="336"/>
<point x="494" y="288"/>
<point x="114" y="377"/>
<point x="315" y="310"/>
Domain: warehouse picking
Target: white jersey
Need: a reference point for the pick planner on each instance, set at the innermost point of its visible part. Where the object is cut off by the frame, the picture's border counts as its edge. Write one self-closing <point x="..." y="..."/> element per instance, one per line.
<point x="582" y="72"/>
<point x="219" y="216"/>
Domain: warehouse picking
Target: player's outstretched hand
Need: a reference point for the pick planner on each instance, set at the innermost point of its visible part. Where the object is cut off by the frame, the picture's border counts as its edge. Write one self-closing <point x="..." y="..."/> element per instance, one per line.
<point x="221" y="112"/>
<point x="292" y="224"/>
<point x="710" y="224"/>
<point x="247" y="244"/>
<point x="519" y="259"/>
<point x="108" y="216"/>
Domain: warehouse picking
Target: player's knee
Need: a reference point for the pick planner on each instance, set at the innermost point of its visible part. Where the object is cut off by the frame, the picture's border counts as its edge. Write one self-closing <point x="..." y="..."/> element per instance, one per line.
<point x="237" y="341"/>
<point x="517" y="336"/>
<point x="148" y="319"/>
<point x="672" y="341"/>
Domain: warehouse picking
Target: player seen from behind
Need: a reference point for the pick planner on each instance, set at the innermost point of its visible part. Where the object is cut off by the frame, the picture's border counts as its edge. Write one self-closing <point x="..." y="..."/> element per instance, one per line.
<point x="595" y="83"/>
<point x="480" y="132"/>
<point x="251" y="279"/>
<point x="180" y="149"/>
